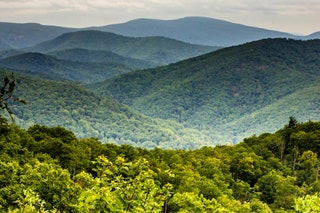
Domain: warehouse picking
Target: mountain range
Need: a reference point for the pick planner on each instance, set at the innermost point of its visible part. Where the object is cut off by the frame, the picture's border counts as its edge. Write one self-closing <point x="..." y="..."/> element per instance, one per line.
<point x="18" y="36"/>
<point x="90" y="56"/>
<point x="158" y="50"/>
<point x="195" y="30"/>
<point x="162" y="92"/>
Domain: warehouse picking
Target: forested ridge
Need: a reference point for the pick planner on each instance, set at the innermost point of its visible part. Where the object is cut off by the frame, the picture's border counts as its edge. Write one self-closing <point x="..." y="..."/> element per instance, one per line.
<point x="47" y="169"/>
<point x="246" y="89"/>
<point x="92" y="56"/>
<point x="53" y="103"/>
<point x="158" y="50"/>
<point x="63" y="70"/>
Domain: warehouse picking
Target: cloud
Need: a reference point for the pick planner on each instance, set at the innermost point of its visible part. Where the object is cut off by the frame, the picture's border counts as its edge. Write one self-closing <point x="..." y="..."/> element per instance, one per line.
<point x="276" y="6"/>
<point x="99" y="12"/>
<point x="69" y="4"/>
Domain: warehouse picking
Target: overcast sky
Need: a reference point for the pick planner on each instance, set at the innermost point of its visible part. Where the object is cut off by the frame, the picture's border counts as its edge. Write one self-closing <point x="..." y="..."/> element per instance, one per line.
<point x="294" y="16"/>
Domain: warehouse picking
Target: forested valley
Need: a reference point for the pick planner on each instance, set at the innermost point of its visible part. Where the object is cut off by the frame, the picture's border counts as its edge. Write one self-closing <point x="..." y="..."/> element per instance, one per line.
<point x="48" y="169"/>
<point x="217" y="98"/>
<point x="98" y="122"/>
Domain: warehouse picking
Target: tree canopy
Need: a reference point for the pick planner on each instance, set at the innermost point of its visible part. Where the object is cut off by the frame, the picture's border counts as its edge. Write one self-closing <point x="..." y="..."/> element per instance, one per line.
<point x="47" y="169"/>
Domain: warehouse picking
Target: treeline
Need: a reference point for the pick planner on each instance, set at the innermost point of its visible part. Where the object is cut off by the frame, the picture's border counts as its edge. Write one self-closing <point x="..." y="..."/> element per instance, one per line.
<point x="47" y="169"/>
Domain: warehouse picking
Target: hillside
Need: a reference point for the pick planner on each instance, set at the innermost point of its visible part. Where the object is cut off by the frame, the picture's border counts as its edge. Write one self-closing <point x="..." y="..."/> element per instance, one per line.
<point x="157" y="50"/>
<point x="9" y="52"/>
<point x="3" y="45"/>
<point x="99" y="56"/>
<point x="25" y="35"/>
<point x="233" y="92"/>
<point x="53" y="103"/>
<point x="53" y="68"/>
<point x="195" y="30"/>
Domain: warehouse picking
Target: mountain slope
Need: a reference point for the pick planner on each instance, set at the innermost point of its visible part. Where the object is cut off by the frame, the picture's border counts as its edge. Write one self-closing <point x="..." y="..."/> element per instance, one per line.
<point x="53" y="103"/>
<point x="3" y="45"/>
<point x="157" y="50"/>
<point x="24" y="35"/>
<point x="63" y="70"/>
<point x="9" y="52"/>
<point x="195" y="30"/>
<point x="315" y="35"/>
<point x="304" y="103"/>
<point x="215" y="90"/>
<point x="99" y="56"/>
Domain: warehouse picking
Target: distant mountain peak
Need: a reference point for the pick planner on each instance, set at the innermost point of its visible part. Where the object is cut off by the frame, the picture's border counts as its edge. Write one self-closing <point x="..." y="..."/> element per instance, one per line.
<point x="195" y="30"/>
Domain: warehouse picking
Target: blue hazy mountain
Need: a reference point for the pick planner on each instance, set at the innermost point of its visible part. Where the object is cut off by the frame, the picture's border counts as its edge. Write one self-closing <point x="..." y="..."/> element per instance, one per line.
<point x="195" y="30"/>
<point x="17" y="36"/>
<point x="158" y="50"/>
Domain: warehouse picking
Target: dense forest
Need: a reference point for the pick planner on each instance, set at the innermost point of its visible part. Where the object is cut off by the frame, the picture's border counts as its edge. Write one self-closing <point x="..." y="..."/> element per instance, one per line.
<point x="47" y="169"/>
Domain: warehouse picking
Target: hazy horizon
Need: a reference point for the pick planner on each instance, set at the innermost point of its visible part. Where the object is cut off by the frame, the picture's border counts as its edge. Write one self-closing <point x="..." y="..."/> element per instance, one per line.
<point x="292" y="16"/>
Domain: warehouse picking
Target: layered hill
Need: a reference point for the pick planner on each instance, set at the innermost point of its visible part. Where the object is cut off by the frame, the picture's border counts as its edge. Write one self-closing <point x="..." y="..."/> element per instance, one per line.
<point x="99" y="56"/>
<point x="233" y="92"/>
<point x="57" y="69"/>
<point x="195" y="30"/>
<point x="25" y="35"/>
<point x="158" y="50"/>
<point x="53" y="103"/>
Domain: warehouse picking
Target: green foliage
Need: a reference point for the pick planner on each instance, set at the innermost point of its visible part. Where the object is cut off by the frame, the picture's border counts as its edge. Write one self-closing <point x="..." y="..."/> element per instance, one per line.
<point x="123" y="187"/>
<point x="36" y="186"/>
<point x="30" y="202"/>
<point x="309" y="203"/>
<point x="47" y="169"/>
<point x="190" y="202"/>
